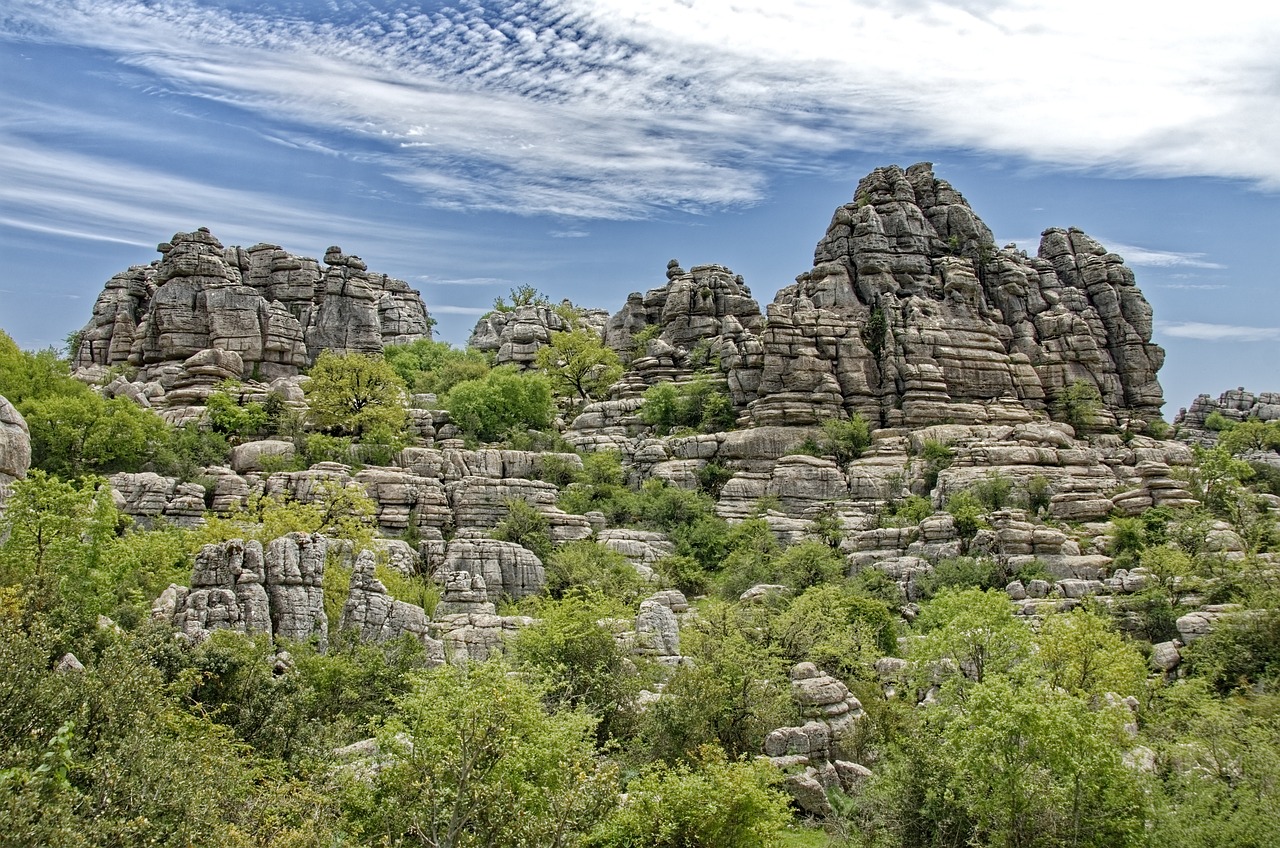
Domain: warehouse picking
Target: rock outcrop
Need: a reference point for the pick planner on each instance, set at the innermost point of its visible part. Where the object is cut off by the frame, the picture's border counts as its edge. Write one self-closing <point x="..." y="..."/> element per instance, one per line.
<point x="15" y="447"/>
<point x="252" y="312"/>
<point x="371" y="612"/>
<point x="812" y="754"/>
<point x="236" y="585"/>
<point x="514" y="336"/>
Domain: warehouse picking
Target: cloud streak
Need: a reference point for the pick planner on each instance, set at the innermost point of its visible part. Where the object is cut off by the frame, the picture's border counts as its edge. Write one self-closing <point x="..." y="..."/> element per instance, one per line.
<point x="610" y="109"/>
<point x="1206" y="332"/>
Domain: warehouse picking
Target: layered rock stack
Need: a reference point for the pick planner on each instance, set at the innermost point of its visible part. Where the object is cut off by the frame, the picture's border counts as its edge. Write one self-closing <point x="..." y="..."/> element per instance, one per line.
<point x="811" y="754"/>
<point x="371" y="612"/>
<point x="467" y="622"/>
<point x="237" y="586"/>
<point x="513" y="337"/>
<point x="15" y="447"/>
<point x="274" y="312"/>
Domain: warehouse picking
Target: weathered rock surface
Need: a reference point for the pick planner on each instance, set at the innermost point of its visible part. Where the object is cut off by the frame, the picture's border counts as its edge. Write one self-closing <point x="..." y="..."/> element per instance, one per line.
<point x="235" y="585"/>
<point x="15" y="447"/>
<point x="812" y="754"/>
<point x="377" y="617"/>
<point x="513" y="337"/>
<point x="507" y="568"/>
<point x="203" y="313"/>
<point x="466" y="621"/>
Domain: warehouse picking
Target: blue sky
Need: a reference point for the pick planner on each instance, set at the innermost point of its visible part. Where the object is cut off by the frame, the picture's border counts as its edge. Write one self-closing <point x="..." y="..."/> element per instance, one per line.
<point x="577" y="146"/>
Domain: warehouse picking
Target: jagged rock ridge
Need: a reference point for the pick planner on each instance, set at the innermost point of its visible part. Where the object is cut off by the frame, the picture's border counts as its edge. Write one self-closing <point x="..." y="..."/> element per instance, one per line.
<point x="273" y="310"/>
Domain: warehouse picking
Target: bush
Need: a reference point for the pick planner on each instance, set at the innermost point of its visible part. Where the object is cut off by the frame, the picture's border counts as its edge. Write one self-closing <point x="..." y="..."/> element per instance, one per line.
<point x="703" y="405"/>
<point x="846" y="439"/>
<point x="1079" y="404"/>
<point x="906" y="512"/>
<point x="506" y="400"/>
<point x="713" y="803"/>
<point x="993" y="490"/>
<point x="937" y="456"/>
<point x="435" y="367"/>
<point x="587" y="565"/>
<point x="353" y="393"/>
<point x="966" y="510"/>
<point x="525" y="526"/>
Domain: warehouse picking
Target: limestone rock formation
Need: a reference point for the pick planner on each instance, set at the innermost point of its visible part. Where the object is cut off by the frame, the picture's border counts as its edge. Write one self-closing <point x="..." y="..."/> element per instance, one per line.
<point x="812" y="754"/>
<point x="514" y="336"/>
<point x="507" y="568"/>
<point x="15" y="447"/>
<point x="1234" y="405"/>
<point x="235" y="585"/>
<point x="258" y="311"/>
<point x="467" y="622"/>
<point x="912" y="315"/>
<point x="377" y="617"/>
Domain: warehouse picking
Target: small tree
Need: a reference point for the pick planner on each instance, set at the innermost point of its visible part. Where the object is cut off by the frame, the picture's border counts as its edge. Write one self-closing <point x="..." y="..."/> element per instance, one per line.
<point x="579" y="364"/>
<point x="349" y="393"/>
<point x="1079" y="404"/>
<point x="505" y="400"/>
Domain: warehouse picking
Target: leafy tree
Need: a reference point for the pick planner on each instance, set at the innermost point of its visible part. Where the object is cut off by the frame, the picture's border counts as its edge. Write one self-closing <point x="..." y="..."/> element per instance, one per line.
<point x="436" y="367"/>
<point x="474" y="760"/>
<point x="712" y="803"/>
<point x="579" y="364"/>
<point x="521" y="295"/>
<point x="74" y="434"/>
<point x="702" y="404"/>
<point x="975" y="628"/>
<point x="579" y="662"/>
<point x="733" y="693"/>
<point x="526" y="526"/>
<point x="1079" y="404"/>
<point x="1079" y="652"/>
<point x="837" y="630"/>
<point x="337" y="510"/>
<point x="966" y="511"/>
<point x="351" y="393"/>
<point x="846" y="439"/>
<point x="1251" y="436"/>
<point x="591" y="566"/>
<point x="505" y="400"/>
<point x="227" y="415"/>
<point x="25" y="375"/>
<point x="993" y="490"/>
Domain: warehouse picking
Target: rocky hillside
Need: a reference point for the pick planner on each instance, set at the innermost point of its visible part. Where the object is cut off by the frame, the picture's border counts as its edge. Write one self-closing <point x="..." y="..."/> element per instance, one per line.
<point x="912" y="530"/>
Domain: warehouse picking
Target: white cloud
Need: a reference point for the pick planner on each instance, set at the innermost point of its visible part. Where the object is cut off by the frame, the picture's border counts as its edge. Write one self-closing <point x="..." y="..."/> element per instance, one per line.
<point x="458" y="310"/>
<point x="1206" y="332"/>
<point x="613" y="109"/>
<point x="1160" y="258"/>
<point x="573" y="234"/>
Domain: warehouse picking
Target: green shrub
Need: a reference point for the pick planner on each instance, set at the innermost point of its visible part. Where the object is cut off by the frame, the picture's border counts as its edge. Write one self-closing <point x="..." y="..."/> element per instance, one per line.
<point x="846" y="439"/>
<point x="967" y="511"/>
<point x="525" y="526"/>
<point x="1079" y="404"/>
<point x="937" y="456"/>
<point x="586" y="565"/>
<point x="702" y="404"/>
<point x="994" y="490"/>
<point x="505" y="400"/>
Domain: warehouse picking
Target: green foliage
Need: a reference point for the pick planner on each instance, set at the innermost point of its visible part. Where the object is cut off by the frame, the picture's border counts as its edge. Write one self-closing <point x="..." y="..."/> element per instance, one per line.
<point x="1039" y="494"/>
<point x="1218" y="422"/>
<point x="1078" y="404"/>
<point x="1079" y="652"/>
<point x="875" y="333"/>
<point x="525" y="526"/>
<point x="579" y="364"/>
<point x="994" y="490"/>
<point x="25" y="375"/>
<point x="962" y="573"/>
<point x="350" y="393"/>
<point x="1128" y="538"/>
<point x="505" y="400"/>
<point x="591" y="566"/>
<point x="336" y="510"/>
<point x="845" y="439"/>
<point x="702" y="405"/>
<point x="1251" y="436"/>
<point x="712" y="803"/>
<point x="975" y="628"/>
<point x="1241" y="653"/>
<point x="74" y="434"/>
<point x="906" y="512"/>
<point x="967" y="511"/>
<point x="837" y="630"/>
<point x="472" y="759"/>
<point x="521" y="295"/>
<point x="233" y="419"/>
<point x="733" y="693"/>
<point x="712" y="476"/>
<point x="580" y="664"/>
<point x="640" y="340"/>
<point x="937" y="456"/>
<point x="435" y="367"/>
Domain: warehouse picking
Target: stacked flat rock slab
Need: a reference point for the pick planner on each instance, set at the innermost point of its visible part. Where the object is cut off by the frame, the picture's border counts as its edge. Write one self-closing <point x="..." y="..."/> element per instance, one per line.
<point x="1234" y="405"/>
<point x="912" y="315"/>
<point x="467" y="622"/>
<point x="147" y="496"/>
<point x="235" y="585"/>
<point x="275" y="312"/>
<point x="811" y="753"/>
<point x="15" y="447"/>
<point x="507" y="568"/>
<point x="377" y="617"/>
<point x="514" y="336"/>
<point x="657" y="632"/>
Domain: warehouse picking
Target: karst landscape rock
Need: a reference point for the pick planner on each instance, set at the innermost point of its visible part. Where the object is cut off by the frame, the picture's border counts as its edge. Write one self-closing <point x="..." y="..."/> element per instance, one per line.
<point x="1011" y="440"/>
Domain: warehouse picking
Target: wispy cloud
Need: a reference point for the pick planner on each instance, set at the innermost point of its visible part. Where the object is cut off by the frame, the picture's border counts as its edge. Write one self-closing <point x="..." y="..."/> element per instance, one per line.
<point x="1145" y="256"/>
<point x="612" y="109"/>
<point x="459" y="310"/>
<point x="1206" y="332"/>
<point x="429" y="280"/>
<point x="1192" y="286"/>
<point x="573" y="234"/>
